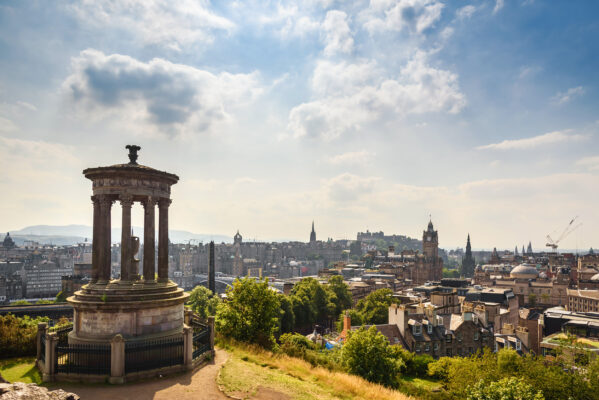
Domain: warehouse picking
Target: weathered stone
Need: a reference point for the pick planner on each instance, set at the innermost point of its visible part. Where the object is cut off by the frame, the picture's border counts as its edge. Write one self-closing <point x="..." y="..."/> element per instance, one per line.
<point x="31" y="391"/>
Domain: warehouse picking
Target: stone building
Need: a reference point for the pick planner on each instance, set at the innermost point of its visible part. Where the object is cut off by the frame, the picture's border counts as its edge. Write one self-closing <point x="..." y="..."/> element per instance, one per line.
<point x="580" y="300"/>
<point x="468" y="262"/>
<point x="44" y="279"/>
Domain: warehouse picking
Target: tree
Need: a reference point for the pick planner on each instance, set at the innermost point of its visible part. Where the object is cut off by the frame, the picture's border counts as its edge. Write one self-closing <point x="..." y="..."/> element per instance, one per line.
<point x="287" y="319"/>
<point x="367" y="353"/>
<point x="203" y="302"/>
<point x="532" y="299"/>
<point x="340" y="294"/>
<point x="505" y="389"/>
<point x="251" y="313"/>
<point x="311" y="303"/>
<point x="375" y="307"/>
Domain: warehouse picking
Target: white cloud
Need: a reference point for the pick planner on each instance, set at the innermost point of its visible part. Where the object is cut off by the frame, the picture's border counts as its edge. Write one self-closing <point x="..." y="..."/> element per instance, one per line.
<point x="6" y="125"/>
<point x="162" y="22"/>
<point x="570" y="94"/>
<point x="347" y="187"/>
<point x="591" y="163"/>
<point x="529" y="143"/>
<point x="26" y="105"/>
<point x="412" y="15"/>
<point x="169" y="98"/>
<point x="498" y="6"/>
<point x="337" y="34"/>
<point x="351" y="158"/>
<point x="351" y="95"/>
<point x="465" y="12"/>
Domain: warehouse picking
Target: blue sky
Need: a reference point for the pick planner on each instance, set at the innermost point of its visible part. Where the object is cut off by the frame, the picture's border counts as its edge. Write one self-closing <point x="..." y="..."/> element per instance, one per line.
<point x="355" y="114"/>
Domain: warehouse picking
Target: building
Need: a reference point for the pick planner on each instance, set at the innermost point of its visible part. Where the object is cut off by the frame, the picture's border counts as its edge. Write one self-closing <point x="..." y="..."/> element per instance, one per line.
<point x="44" y="279"/>
<point x="580" y="300"/>
<point x="468" y="262"/>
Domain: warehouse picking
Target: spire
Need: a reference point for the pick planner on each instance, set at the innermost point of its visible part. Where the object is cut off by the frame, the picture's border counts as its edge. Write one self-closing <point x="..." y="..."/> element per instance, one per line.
<point x="313" y="234"/>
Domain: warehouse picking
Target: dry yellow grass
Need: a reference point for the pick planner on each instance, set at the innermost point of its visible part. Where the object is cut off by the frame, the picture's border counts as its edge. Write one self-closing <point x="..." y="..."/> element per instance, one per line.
<point x="337" y="384"/>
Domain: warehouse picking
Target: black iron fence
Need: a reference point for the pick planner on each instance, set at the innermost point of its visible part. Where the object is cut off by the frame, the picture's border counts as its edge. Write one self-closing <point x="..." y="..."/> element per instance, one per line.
<point x="201" y="338"/>
<point x="153" y="354"/>
<point x="83" y="359"/>
<point x="63" y="333"/>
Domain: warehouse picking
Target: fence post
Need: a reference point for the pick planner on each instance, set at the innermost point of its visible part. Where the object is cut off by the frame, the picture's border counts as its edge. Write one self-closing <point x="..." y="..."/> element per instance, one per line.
<point x="187" y="316"/>
<point x="49" y="371"/>
<point x="117" y="359"/>
<point x="187" y="347"/>
<point x="211" y="325"/>
<point x="42" y="328"/>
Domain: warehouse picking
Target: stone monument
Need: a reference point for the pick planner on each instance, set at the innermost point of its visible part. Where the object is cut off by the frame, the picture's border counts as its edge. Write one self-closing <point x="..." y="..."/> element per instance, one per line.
<point x="136" y="307"/>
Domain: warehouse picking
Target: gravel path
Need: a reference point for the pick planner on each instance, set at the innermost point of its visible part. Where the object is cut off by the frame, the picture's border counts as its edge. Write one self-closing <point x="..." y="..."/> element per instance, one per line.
<point x="199" y="385"/>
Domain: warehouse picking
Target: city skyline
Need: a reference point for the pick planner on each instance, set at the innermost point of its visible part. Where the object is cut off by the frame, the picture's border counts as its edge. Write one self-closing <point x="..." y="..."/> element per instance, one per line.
<point x="358" y="116"/>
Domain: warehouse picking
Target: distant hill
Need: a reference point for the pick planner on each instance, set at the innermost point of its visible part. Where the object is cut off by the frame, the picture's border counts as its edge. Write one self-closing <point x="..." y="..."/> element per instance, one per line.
<point x="71" y="234"/>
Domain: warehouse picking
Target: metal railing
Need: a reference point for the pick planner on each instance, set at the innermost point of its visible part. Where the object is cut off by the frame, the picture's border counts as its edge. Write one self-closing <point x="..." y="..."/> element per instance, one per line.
<point x="201" y="337"/>
<point x="43" y="349"/>
<point x="152" y="354"/>
<point x="83" y="359"/>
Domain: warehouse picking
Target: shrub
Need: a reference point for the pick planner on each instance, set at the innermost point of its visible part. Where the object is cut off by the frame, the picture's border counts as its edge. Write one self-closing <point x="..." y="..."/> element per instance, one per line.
<point x="17" y="335"/>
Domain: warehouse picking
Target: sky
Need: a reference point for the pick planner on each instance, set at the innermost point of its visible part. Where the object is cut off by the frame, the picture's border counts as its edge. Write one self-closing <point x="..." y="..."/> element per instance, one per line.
<point x="481" y="114"/>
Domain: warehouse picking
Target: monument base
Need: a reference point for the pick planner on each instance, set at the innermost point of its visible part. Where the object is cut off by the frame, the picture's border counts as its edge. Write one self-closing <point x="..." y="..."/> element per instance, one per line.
<point x="137" y="311"/>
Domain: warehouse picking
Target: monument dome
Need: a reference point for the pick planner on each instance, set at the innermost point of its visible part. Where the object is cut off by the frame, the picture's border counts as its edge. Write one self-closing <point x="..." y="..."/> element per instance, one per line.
<point x="524" y="271"/>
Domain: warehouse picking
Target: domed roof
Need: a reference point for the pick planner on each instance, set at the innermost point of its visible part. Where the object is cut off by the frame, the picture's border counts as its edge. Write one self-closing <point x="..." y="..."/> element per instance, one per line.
<point x="595" y="277"/>
<point x="524" y="271"/>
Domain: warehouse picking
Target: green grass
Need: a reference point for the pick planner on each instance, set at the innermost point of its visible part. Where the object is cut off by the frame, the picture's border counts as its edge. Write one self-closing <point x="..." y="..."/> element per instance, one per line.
<point x="426" y="384"/>
<point x="20" y="370"/>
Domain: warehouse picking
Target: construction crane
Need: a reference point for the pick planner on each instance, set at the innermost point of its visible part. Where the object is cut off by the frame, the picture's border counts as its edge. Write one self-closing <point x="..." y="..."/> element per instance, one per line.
<point x="568" y="230"/>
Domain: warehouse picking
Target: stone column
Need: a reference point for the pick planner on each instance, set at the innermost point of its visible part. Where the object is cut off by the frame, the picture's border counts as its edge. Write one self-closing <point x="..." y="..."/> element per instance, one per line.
<point x="104" y="244"/>
<point x="96" y="241"/>
<point x="149" y="240"/>
<point x="163" y="240"/>
<point x="117" y="359"/>
<point x="212" y="334"/>
<point x="187" y="347"/>
<point x="51" y="342"/>
<point x="42" y="329"/>
<point x="126" y="203"/>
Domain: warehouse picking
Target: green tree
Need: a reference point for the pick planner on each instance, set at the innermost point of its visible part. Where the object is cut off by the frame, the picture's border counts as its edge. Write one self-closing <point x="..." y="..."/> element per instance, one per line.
<point x="203" y="302"/>
<point x="251" y="313"/>
<point x="375" y="307"/>
<point x="367" y="353"/>
<point x="287" y="318"/>
<point x="311" y="303"/>
<point x="532" y="299"/>
<point x="341" y="296"/>
<point x="505" y="389"/>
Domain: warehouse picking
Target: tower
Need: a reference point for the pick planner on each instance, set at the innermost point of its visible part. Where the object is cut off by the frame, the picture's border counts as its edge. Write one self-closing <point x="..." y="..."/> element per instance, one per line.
<point x="313" y="234"/>
<point x="468" y="262"/>
<point x="430" y="242"/>
<point x="238" y="260"/>
<point x="529" y="249"/>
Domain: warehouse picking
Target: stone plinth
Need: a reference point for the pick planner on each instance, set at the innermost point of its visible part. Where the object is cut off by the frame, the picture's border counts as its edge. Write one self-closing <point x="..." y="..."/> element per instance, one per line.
<point x="135" y="311"/>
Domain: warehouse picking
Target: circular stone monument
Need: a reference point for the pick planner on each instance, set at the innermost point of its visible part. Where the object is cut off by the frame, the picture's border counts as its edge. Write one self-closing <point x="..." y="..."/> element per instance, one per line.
<point x="136" y="306"/>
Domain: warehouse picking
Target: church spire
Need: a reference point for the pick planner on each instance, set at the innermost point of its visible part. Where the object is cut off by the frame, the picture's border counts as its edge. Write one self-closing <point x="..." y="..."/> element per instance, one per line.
<point x="313" y="234"/>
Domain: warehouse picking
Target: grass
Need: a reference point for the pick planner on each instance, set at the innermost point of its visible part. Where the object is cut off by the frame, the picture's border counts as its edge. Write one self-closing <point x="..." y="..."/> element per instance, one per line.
<point x="563" y="339"/>
<point x="420" y="383"/>
<point x="250" y="368"/>
<point x="20" y="370"/>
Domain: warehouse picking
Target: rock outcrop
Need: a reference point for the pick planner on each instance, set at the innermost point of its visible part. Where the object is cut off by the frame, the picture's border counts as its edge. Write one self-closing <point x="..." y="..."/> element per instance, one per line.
<point x="31" y="391"/>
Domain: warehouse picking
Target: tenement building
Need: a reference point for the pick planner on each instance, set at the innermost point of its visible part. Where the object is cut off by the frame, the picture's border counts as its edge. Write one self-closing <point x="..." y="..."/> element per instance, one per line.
<point x="581" y="300"/>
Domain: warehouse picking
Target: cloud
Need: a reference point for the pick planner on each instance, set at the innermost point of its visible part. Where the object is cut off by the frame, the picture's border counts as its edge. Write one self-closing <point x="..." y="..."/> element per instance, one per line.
<point x="171" y="98"/>
<point x="498" y="6"/>
<point x="351" y="95"/>
<point x="591" y="163"/>
<point x="411" y="15"/>
<point x="570" y="94"/>
<point x="6" y="125"/>
<point x="465" y="12"/>
<point x="348" y="187"/>
<point x="161" y="22"/>
<point x="351" y="158"/>
<point x="529" y="143"/>
<point x="337" y="34"/>
<point x="26" y="105"/>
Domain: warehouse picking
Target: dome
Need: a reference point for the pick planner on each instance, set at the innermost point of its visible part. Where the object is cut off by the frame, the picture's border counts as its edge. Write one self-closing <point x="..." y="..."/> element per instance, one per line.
<point x="524" y="271"/>
<point x="595" y="277"/>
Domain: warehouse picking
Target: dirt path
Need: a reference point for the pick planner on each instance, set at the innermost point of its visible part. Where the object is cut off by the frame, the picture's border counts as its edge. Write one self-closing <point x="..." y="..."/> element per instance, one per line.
<point x="200" y="384"/>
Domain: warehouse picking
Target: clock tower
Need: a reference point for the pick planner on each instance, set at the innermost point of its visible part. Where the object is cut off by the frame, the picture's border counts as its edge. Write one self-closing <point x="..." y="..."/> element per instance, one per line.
<point x="430" y="243"/>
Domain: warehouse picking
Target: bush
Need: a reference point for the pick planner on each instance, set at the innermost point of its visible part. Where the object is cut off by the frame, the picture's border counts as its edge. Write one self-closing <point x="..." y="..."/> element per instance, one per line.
<point x="504" y="389"/>
<point x="17" y="335"/>
<point x="297" y="345"/>
<point x="367" y="353"/>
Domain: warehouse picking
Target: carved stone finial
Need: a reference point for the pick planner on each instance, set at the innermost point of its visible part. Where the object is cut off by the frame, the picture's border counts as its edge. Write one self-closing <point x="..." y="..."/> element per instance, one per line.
<point x="133" y="149"/>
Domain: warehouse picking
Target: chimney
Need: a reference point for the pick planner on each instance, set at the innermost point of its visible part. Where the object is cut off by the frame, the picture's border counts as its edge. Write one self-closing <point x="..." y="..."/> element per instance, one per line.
<point x="287" y="286"/>
<point x="346" y="325"/>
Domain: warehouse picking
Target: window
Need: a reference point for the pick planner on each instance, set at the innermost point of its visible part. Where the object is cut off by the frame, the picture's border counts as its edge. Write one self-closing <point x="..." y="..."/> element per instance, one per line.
<point x="459" y="336"/>
<point x="417" y="348"/>
<point x="427" y="347"/>
<point x="476" y="335"/>
<point x="436" y="346"/>
<point x="448" y="338"/>
<point x="429" y="328"/>
<point x="518" y="345"/>
<point x="417" y="330"/>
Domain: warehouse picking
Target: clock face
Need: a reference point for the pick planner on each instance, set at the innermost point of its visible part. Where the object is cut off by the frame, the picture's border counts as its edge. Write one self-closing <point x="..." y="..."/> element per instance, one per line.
<point x="429" y="238"/>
